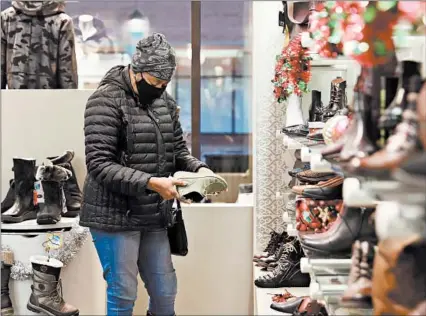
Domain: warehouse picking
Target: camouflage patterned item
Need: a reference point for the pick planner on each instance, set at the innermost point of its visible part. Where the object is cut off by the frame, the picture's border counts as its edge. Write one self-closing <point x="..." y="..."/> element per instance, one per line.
<point x="37" y="46"/>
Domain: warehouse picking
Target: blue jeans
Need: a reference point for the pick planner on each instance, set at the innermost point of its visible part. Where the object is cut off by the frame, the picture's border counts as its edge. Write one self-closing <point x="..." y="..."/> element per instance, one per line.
<point x="125" y="254"/>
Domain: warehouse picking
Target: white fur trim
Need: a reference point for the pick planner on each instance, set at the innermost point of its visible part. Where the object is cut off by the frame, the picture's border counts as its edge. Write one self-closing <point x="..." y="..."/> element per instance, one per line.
<point x="23" y="158"/>
<point x="44" y="260"/>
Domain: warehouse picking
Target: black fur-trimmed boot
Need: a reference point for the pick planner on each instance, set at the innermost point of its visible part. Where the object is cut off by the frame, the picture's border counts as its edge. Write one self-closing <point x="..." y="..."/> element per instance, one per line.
<point x="8" y="201"/>
<point x="46" y="290"/>
<point x="6" y="265"/>
<point x="51" y="206"/>
<point x="23" y="207"/>
<point x="72" y="190"/>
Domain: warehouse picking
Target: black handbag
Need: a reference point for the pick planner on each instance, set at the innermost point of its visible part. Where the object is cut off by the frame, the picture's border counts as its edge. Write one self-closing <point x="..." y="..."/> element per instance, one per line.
<point x="177" y="233"/>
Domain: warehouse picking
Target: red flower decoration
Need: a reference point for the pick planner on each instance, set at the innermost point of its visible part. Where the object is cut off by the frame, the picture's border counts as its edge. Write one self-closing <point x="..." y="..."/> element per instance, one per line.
<point x="292" y="71"/>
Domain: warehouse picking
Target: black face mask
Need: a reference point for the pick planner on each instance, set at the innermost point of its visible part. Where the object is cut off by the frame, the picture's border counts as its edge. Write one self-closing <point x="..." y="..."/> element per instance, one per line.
<point x="148" y="93"/>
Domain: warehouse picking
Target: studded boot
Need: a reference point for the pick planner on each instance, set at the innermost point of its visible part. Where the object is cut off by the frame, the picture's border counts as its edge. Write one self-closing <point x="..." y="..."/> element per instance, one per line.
<point x="6" y="265"/>
<point x="23" y="207"/>
<point x="358" y="293"/>
<point x="46" y="290"/>
<point x="287" y="273"/>
<point x="338" y="100"/>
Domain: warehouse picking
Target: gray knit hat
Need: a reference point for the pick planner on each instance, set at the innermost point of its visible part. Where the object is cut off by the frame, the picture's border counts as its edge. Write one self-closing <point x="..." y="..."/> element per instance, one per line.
<point x="155" y="56"/>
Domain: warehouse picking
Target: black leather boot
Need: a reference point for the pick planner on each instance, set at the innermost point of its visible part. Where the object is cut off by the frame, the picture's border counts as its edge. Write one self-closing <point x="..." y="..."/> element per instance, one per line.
<point x="389" y="85"/>
<point x="287" y="273"/>
<point x="316" y="110"/>
<point x="393" y="114"/>
<point x="23" y="208"/>
<point x="6" y="265"/>
<point x="72" y="190"/>
<point x="52" y="179"/>
<point x="338" y="101"/>
<point x="8" y="201"/>
<point x="352" y="224"/>
<point x="73" y="193"/>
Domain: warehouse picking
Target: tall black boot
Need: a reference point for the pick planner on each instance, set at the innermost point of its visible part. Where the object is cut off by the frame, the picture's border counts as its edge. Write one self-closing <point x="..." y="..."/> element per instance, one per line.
<point x="316" y="110"/>
<point x="6" y="265"/>
<point x="393" y="114"/>
<point x="46" y="290"/>
<point x="389" y="85"/>
<point x="23" y="208"/>
<point x="8" y="201"/>
<point x="72" y="190"/>
<point x="52" y="179"/>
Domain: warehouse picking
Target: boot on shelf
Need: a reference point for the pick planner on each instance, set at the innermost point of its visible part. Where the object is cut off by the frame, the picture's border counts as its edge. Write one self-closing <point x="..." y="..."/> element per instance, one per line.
<point x="316" y="110"/>
<point x="402" y="143"/>
<point x="358" y="293"/>
<point x="46" y="290"/>
<point x="389" y="85"/>
<point x="52" y="179"/>
<point x="338" y="101"/>
<point x="393" y="114"/>
<point x="271" y="247"/>
<point x="8" y="201"/>
<point x="6" y="264"/>
<point x="352" y="224"/>
<point x="287" y="273"/>
<point x="399" y="282"/>
<point x="72" y="190"/>
<point x="24" y="207"/>
<point x="294" y="114"/>
<point x="358" y="143"/>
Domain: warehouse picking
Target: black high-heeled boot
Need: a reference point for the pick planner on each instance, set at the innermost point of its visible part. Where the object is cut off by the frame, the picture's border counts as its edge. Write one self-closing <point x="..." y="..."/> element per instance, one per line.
<point x="389" y="88"/>
<point x="393" y="114"/>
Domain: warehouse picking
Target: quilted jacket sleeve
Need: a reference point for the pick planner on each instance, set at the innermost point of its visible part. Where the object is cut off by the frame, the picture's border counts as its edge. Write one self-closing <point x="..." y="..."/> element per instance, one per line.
<point x="102" y="123"/>
<point x="184" y="160"/>
<point x="3" y="52"/>
<point x="67" y="63"/>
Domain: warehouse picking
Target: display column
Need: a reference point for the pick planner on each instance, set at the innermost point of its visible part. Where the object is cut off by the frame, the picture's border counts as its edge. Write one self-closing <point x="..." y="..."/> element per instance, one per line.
<point x="268" y="116"/>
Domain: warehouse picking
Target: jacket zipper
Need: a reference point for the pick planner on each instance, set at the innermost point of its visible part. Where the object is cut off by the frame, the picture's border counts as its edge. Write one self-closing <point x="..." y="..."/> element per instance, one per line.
<point x="152" y="117"/>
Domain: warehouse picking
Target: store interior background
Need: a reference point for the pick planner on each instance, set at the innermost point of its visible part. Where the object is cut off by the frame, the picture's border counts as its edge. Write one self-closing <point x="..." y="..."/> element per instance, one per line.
<point x="238" y="124"/>
<point x="53" y="122"/>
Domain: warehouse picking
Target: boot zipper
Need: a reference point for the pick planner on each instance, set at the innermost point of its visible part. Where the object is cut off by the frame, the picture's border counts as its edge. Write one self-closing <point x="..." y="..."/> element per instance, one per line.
<point x="155" y="121"/>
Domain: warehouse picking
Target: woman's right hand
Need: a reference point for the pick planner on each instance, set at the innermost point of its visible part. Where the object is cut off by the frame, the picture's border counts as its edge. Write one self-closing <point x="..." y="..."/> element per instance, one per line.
<point x="166" y="187"/>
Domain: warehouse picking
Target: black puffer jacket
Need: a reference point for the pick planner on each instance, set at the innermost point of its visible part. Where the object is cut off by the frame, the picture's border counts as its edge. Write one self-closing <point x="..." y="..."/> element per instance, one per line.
<point x="126" y="145"/>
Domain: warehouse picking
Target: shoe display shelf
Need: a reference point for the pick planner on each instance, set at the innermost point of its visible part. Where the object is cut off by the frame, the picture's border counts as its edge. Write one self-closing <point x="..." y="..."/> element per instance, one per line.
<point x="28" y="239"/>
<point x="263" y="296"/>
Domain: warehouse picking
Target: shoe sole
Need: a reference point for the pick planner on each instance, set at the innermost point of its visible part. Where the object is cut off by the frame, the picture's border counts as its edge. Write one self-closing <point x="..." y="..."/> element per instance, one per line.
<point x="71" y="214"/>
<point x="322" y="254"/>
<point x="18" y="219"/>
<point x="48" y="220"/>
<point x="38" y="310"/>
<point x="7" y="311"/>
<point x="284" y="284"/>
<point x="215" y="184"/>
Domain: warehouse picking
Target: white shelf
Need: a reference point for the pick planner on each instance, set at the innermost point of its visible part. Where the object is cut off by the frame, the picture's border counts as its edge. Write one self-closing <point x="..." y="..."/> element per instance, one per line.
<point x="263" y="297"/>
<point x="31" y="225"/>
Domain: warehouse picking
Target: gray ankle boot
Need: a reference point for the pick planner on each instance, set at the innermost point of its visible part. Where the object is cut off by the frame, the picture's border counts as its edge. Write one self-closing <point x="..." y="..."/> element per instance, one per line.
<point x="46" y="296"/>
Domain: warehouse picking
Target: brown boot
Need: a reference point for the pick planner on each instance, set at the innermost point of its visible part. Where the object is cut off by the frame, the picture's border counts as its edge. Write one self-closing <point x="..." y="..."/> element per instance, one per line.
<point x="358" y="294"/>
<point x="46" y="296"/>
<point x="399" y="281"/>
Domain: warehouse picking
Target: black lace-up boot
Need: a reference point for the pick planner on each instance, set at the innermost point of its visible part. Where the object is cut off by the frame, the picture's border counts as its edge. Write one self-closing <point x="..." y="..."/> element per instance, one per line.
<point x="338" y="101"/>
<point x="287" y="273"/>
